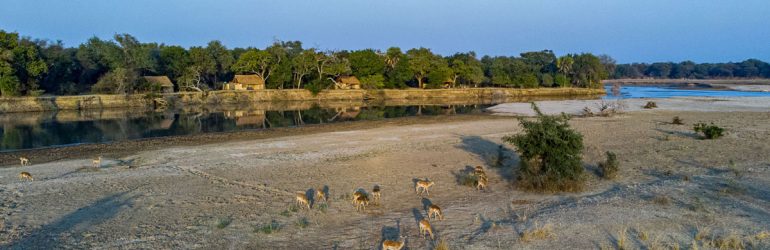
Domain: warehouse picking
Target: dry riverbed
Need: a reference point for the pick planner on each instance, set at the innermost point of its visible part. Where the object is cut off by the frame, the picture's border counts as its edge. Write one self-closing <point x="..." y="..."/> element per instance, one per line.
<point x="673" y="189"/>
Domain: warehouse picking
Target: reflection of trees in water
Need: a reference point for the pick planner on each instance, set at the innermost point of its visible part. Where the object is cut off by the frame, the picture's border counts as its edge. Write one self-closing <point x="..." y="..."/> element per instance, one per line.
<point x="77" y="128"/>
<point x="11" y="137"/>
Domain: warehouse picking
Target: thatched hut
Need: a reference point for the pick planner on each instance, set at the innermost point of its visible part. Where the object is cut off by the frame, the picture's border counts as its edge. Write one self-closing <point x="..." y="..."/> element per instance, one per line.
<point x="347" y="82"/>
<point x="165" y="84"/>
<point x="246" y="82"/>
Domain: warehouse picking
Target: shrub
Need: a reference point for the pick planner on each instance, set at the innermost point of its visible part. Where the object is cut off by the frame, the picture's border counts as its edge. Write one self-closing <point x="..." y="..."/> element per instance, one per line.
<point x="272" y="227"/>
<point x="650" y="105"/>
<point x="302" y="222"/>
<point x="468" y="180"/>
<point x="224" y="222"/>
<point x="550" y="154"/>
<point x="610" y="167"/>
<point x="677" y="121"/>
<point x="373" y="82"/>
<point x="709" y="131"/>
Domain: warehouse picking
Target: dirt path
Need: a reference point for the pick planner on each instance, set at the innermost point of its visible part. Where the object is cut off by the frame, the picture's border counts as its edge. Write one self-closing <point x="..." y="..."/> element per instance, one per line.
<point x="221" y="195"/>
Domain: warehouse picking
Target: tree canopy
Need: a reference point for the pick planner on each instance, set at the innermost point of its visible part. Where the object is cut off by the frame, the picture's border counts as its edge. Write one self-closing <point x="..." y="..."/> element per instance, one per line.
<point x="116" y="65"/>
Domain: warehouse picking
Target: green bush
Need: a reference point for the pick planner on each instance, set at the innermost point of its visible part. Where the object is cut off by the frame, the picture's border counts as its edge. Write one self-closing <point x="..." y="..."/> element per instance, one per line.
<point x="550" y="154"/>
<point x="650" y="105"/>
<point x="677" y="121"/>
<point x="272" y="227"/>
<point x="610" y="167"/>
<point x="373" y="81"/>
<point x="709" y="131"/>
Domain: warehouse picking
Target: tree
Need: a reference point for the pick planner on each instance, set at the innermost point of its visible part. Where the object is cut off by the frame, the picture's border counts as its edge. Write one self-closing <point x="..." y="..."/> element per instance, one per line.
<point x="376" y="81"/>
<point x="660" y="70"/>
<point x="174" y="60"/>
<point x="588" y="71"/>
<point x="202" y="63"/>
<point x="258" y="62"/>
<point x="550" y="153"/>
<point x="467" y="69"/>
<point x="222" y="59"/>
<point x="21" y="65"/>
<point x="303" y="64"/>
<point x="366" y="62"/>
<point x="539" y="61"/>
<point x="420" y="62"/>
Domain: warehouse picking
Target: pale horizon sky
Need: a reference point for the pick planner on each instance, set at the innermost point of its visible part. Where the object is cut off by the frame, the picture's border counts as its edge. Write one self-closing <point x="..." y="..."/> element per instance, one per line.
<point x="629" y="31"/>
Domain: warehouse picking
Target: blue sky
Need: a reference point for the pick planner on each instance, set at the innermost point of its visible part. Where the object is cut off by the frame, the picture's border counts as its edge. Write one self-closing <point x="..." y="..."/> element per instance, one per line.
<point x="630" y="31"/>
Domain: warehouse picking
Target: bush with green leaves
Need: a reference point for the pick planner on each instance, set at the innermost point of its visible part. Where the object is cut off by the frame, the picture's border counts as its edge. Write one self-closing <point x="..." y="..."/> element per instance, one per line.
<point x="710" y="131"/>
<point x="550" y="154"/>
<point x="650" y="105"/>
<point x="610" y="167"/>
<point x="677" y="121"/>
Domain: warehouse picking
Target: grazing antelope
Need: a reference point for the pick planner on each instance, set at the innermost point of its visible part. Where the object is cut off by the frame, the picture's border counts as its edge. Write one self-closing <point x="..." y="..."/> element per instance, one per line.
<point x="435" y="212"/>
<point x="24" y="161"/>
<point x="394" y="245"/>
<point x="376" y="194"/>
<point x="357" y="194"/>
<point x="302" y="200"/>
<point x="26" y="175"/>
<point x="96" y="163"/>
<point x="425" y="228"/>
<point x="320" y="195"/>
<point x="424" y="185"/>
<point x="361" y="203"/>
<point x="481" y="183"/>
<point x="479" y="170"/>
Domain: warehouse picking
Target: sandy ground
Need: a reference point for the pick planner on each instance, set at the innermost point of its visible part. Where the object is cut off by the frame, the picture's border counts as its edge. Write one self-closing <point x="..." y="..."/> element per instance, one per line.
<point x="672" y="188"/>
<point x="696" y="104"/>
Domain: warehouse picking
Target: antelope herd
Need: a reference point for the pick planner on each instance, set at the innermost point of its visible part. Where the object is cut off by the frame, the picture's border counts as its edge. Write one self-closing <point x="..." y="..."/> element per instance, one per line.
<point x="24" y="161"/>
<point x="361" y="199"/>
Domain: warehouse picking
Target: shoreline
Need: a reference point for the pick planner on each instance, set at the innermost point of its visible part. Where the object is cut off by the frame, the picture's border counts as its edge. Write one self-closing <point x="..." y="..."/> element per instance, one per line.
<point x="117" y="149"/>
<point x="670" y="183"/>
<point x="231" y="97"/>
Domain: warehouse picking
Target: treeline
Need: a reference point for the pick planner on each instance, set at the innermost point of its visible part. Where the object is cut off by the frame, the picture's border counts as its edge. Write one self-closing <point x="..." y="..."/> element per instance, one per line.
<point x="751" y="68"/>
<point x="35" y="67"/>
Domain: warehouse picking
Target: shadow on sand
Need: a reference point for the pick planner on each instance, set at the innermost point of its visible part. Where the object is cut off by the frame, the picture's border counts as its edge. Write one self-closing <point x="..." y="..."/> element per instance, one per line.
<point x="495" y="155"/>
<point x="47" y="236"/>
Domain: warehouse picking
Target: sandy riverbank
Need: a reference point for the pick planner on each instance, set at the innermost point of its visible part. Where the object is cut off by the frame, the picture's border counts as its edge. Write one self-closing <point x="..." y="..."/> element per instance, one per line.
<point x="671" y="186"/>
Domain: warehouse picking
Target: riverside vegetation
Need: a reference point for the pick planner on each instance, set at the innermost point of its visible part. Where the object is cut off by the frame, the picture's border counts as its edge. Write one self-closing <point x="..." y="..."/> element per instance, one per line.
<point x="31" y="67"/>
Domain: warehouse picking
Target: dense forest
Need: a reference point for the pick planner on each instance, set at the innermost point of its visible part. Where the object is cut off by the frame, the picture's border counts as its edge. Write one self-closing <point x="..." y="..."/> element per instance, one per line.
<point x="34" y="67"/>
<point x="751" y="68"/>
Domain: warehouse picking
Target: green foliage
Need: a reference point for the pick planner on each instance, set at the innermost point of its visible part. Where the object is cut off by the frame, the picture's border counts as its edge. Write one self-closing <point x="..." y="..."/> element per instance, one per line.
<point x="610" y="167"/>
<point x="546" y="80"/>
<point x="650" y="105"/>
<point x="302" y="222"/>
<point x="710" y="131"/>
<point x="365" y="63"/>
<point x="677" y="121"/>
<point x="562" y="81"/>
<point x="224" y="222"/>
<point x="316" y="86"/>
<point x="272" y="227"/>
<point x="373" y="81"/>
<point x="467" y="69"/>
<point x="550" y="153"/>
<point x="115" y="65"/>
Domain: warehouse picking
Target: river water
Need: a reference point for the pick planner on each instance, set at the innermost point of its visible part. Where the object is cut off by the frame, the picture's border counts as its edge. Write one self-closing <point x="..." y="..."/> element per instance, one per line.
<point x="49" y="129"/>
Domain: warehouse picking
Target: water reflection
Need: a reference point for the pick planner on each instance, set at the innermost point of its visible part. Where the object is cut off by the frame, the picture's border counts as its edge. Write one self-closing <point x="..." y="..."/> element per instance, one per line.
<point x="36" y="130"/>
<point x="46" y="129"/>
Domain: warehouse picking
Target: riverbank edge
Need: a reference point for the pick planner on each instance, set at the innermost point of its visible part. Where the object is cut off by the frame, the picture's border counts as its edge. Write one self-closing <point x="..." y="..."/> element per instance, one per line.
<point x="230" y="97"/>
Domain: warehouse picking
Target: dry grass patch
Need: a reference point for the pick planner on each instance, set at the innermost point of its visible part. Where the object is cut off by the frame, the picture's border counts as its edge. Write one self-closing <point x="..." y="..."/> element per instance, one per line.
<point x="537" y="233"/>
<point x="442" y="245"/>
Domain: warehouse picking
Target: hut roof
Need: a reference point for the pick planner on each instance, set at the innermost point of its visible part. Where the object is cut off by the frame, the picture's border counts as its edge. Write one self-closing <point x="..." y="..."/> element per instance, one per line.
<point x="248" y="79"/>
<point x="350" y="80"/>
<point x="162" y="80"/>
